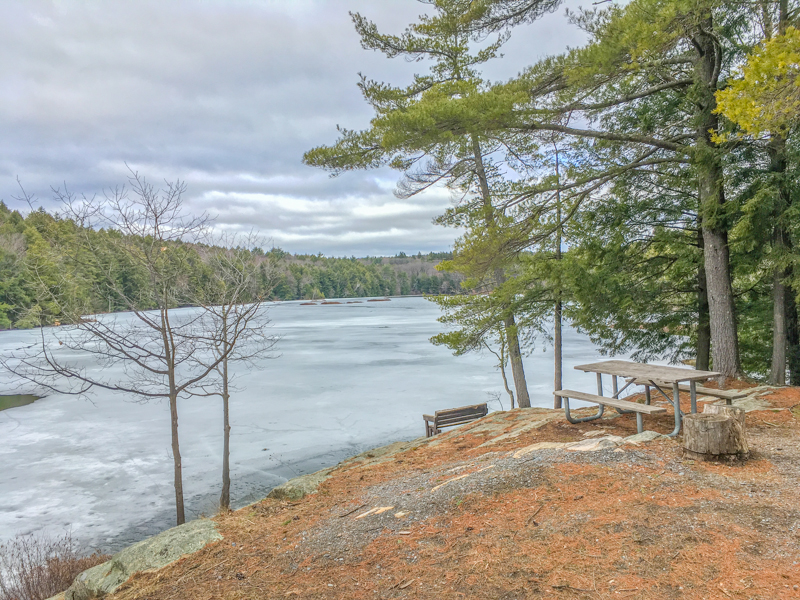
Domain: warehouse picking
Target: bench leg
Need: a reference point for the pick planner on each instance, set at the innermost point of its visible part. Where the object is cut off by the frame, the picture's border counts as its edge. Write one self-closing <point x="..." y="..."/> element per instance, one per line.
<point x="575" y="420"/>
<point x="639" y="423"/>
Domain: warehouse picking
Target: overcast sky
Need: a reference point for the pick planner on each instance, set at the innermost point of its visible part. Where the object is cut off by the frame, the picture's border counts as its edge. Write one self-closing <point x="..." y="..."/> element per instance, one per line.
<point x="225" y="95"/>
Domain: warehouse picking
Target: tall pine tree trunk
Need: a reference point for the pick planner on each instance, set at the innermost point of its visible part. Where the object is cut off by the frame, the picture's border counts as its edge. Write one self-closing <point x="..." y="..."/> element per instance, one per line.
<point x="515" y="358"/>
<point x="708" y="163"/>
<point x="514" y="353"/>
<point x="777" y="151"/>
<point x="702" y="361"/>
<point x="779" y="334"/>
<point x="780" y="237"/>
<point x="792" y="335"/>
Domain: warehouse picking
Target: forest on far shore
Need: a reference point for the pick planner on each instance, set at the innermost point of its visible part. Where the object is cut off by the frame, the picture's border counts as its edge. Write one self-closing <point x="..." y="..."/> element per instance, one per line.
<point x="41" y="248"/>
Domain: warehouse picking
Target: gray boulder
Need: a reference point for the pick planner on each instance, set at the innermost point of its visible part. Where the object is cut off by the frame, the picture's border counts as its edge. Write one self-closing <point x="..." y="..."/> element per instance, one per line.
<point x="148" y="555"/>
<point x="299" y="487"/>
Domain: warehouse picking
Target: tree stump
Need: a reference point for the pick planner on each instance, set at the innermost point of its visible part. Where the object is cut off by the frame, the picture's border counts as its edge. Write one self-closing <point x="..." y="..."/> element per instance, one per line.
<point x="728" y="411"/>
<point x="720" y="436"/>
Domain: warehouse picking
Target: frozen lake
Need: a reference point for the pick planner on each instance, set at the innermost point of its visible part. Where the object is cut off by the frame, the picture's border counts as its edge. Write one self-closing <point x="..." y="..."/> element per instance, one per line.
<point x="349" y="377"/>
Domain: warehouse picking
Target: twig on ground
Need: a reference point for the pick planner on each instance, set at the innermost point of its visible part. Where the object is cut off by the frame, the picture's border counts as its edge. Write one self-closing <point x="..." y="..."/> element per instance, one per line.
<point x="534" y="514"/>
<point x="352" y="511"/>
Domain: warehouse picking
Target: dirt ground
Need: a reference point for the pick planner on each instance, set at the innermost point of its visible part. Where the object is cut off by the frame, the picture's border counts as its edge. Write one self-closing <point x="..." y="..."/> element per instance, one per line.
<point x="479" y="514"/>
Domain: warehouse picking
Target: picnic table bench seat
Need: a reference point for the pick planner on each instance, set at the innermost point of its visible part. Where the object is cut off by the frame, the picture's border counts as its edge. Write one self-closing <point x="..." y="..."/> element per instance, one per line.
<point x="453" y="416"/>
<point x="647" y="409"/>
<point x="728" y="395"/>
<point x="622" y="405"/>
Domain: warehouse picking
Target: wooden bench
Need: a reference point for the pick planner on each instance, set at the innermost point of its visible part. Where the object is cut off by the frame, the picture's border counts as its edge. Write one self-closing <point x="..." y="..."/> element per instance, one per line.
<point x="452" y="417"/>
<point x="728" y="395"/>
<point x="622" y="405"/>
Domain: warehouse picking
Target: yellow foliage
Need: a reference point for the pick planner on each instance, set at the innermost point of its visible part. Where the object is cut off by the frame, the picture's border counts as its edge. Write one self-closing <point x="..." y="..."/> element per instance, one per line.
<point x="767" y="95"/>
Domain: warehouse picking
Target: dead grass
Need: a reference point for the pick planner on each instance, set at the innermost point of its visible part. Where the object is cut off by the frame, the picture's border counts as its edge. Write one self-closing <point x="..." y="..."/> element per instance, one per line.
<point x="39" y="567"/>
<point x="640" y="523"/>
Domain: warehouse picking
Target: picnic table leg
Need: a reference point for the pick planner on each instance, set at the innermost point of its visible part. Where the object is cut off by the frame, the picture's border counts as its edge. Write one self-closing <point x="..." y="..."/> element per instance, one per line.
<point x="676" y="402"/>
<point x="693" y="395"/>
<point x="615" y="392"/>
<point x="575" y="420"/>
<point x="639" y="423"/>
<point x="647" y="395"/>
<point x="599" y="384"/>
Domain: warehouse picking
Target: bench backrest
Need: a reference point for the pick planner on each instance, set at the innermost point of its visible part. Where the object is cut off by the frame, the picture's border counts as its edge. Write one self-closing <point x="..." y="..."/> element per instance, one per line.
<point x="462" y="414"/>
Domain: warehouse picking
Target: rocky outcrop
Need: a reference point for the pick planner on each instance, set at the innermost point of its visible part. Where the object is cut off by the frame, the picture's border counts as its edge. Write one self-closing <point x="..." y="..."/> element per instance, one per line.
<point x="148" y="555"/>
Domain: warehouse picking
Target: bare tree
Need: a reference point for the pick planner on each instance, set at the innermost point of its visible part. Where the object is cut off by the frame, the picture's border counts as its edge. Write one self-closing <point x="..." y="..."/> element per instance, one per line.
<point x="234" y="304"/>
<point x="502" y="358"/>
<point x="158" y="349"/>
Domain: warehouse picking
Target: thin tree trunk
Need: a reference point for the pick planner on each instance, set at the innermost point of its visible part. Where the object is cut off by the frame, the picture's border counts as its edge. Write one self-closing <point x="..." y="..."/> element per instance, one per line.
<point x="722" y="316"/>
<point x="176" y="458"/>
<point x="225" y="496"/>
<point x="169" y="355"/>
<point x="702" y="361"/>
<point x="503" y="370"/>
<point x="557" y="343"/>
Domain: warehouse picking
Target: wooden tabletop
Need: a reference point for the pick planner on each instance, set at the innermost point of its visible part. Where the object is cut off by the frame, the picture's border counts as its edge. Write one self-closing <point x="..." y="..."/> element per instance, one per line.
<point x="626" y="368"/>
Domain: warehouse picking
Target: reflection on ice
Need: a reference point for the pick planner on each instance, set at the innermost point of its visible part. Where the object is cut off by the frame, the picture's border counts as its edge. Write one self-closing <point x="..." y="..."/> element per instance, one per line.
<point x="349" y="377"/>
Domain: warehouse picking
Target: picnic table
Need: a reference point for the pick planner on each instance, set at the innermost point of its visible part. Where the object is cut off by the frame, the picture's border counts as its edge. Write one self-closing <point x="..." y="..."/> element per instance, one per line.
<point x="650" y="376"/>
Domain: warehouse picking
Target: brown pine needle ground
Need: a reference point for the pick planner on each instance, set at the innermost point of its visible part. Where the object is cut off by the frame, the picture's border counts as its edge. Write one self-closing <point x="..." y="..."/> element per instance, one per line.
<point x="471" y="521"/>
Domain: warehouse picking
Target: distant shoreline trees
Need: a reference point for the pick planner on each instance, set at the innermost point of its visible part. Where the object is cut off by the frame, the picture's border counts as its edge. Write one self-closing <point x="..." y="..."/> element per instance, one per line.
<point x="49" y="240"/>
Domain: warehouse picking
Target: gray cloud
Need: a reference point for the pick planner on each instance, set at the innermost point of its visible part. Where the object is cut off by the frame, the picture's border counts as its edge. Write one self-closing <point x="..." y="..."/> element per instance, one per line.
<point x="226" y="95"/>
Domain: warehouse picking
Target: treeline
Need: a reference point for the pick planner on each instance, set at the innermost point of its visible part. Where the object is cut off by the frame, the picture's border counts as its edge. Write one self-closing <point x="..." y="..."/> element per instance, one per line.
<point x="305" y="276"/>
<point x="39" y="251"/>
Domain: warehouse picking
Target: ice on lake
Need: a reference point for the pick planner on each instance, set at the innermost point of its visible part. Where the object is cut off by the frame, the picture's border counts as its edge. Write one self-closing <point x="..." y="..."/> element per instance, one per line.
<point x="349" y="377"/>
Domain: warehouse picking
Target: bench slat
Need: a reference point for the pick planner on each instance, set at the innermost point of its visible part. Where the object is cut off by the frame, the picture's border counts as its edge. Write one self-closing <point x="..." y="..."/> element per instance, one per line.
<point x="467" y="415"/>
<point x="705" y="391"/>
<point x="459" y="418"/>
<point x="482" y="409"/>
<point x="440" y="424"/>
<point x="615" y="402"/>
